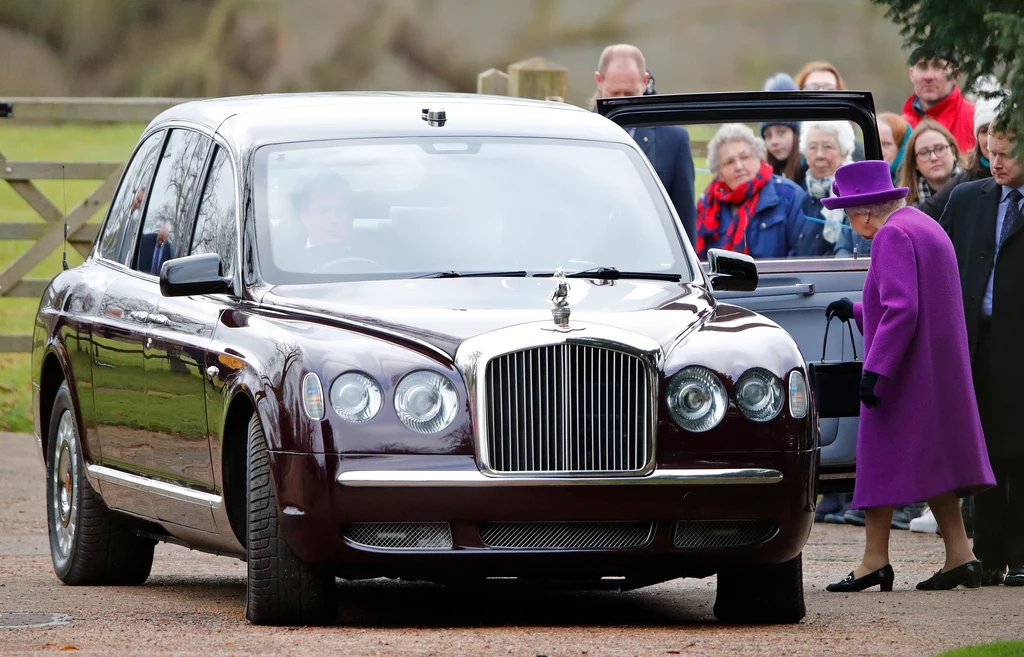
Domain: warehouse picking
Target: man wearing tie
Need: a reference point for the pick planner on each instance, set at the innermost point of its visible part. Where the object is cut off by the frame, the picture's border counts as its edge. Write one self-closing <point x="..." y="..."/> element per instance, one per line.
<point x="154" y="250"/>
<point x="985" y="223"/>
<point x="622" y="71"/>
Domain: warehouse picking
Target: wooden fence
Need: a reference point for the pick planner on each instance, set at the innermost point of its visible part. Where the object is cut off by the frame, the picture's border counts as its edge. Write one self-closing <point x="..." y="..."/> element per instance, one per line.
<point x="534" y="78"/>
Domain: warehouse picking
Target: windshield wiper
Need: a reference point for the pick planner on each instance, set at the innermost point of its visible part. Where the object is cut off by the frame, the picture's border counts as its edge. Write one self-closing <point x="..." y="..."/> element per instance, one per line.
<point x="474" y="274"/>
<point x="613" y="274"/>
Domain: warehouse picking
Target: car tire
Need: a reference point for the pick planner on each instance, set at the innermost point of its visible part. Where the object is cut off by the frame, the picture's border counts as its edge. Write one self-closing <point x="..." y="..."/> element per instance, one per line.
<point x="762" y="594"/>
<point x="282" y="589"/>
<point x="88" y="544"/>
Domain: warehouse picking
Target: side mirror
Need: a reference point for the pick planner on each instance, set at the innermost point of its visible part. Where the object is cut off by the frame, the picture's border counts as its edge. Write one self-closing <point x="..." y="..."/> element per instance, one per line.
<point x="731" y="272"/>
<point x="197" y="274"/>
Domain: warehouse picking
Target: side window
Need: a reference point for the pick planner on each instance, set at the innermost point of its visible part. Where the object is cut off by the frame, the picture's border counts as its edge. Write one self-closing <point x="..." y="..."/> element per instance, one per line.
<point x="215" y="224"/>
<point x="130" y="199"/>
<point x="168" y="222"/>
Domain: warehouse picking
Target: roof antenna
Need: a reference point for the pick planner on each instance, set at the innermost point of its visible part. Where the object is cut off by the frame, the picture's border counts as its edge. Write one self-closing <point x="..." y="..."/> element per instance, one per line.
<point x="64" y="186"/>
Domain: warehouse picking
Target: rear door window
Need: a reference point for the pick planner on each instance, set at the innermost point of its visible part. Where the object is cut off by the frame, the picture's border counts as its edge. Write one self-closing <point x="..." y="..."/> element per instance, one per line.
<point x="130" y="200"/>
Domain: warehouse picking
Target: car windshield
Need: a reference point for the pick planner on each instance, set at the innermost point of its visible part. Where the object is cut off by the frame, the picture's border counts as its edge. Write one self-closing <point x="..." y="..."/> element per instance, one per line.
<point x="402" y="208"/>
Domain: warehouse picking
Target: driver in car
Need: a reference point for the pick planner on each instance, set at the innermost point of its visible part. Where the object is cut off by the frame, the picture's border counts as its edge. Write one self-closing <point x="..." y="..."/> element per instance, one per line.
<point x="323" y="204"/>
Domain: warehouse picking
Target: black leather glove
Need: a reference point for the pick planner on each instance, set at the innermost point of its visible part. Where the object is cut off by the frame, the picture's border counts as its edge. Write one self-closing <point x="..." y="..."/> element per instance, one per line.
<point x="841" y="310"/>
<point x="867" y="389"/>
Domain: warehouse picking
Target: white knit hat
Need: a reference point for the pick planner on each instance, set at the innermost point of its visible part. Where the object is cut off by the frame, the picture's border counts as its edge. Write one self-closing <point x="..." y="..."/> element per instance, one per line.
<point x="985" y="111"/>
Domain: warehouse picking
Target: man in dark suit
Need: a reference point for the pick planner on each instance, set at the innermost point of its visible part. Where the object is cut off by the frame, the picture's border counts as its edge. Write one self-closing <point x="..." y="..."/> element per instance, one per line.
<point x="984" y="220"/>
<point x="622" y="71"/>
<point x="155" y="249"/>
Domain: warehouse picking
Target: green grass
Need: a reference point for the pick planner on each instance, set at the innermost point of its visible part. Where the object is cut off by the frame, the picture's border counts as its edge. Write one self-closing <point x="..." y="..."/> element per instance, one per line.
<point x="55" y="143"/>
<point x="998" y="649"/>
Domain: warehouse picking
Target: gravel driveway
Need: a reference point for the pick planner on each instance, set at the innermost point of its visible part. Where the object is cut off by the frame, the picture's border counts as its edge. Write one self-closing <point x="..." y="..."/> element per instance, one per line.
<point x="192" y="604"/>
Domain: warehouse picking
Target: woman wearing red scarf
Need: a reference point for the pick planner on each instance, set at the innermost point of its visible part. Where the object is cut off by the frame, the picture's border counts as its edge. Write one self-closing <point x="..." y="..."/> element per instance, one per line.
<point x="746" y="208"/>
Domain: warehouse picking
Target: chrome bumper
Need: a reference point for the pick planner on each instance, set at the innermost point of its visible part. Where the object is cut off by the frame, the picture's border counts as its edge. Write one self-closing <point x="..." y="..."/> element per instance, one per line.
<point x="476" y="479"/>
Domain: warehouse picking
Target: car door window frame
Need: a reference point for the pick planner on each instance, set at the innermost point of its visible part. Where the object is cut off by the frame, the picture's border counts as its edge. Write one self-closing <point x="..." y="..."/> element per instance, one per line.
<point x="125" y="248"/>
<point x="193" y="202"/>
<point x="218" y="146"/>
<point x="752" y="106"/>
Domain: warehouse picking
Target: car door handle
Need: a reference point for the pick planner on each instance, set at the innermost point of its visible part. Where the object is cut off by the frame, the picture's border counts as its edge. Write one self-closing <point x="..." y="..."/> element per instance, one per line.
<point x="157" y="319"/>
<point x="798" y="289"/>
<point x="139" y="316"/>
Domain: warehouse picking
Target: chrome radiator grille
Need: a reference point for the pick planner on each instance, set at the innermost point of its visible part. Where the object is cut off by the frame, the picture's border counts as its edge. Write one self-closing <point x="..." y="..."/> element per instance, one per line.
<point x="565" y="535"/>
<point x="568" y="408"/>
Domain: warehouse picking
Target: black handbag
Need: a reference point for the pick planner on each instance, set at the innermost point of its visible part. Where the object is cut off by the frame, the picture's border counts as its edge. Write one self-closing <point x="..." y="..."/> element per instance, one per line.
<point x="836" y="384"/>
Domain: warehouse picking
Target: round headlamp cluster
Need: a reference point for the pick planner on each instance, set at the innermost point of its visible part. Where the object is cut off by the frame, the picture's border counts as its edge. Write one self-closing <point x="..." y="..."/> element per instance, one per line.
<point x="426" y="402"/>
<point x="759" y="395"/>
<point x="355" y="397"/>
<point x="697" y="399"/>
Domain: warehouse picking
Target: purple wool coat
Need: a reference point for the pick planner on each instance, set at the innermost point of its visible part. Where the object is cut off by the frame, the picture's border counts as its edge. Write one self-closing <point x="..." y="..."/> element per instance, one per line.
<point x="925" y="437"/>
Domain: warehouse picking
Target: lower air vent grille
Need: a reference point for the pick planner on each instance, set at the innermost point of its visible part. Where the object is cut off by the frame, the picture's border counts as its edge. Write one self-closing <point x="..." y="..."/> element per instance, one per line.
<point x="722" y="533"/>
<point x="401" y="535"/>
<point x="565" y="535"/>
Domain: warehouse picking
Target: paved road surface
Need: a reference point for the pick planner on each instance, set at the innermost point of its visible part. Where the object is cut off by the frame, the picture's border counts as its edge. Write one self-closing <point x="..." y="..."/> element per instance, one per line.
<point x="192" y="604"/>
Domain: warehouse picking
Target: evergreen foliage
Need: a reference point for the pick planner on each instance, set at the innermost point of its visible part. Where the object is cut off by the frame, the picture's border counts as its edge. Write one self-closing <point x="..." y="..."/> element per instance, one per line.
<point x="985" y="37"/>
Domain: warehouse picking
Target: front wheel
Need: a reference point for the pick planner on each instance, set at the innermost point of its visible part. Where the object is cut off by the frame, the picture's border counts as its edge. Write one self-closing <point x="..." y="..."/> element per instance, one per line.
<point x="88" y="545"/>
<point x="762" y="594"/>
<point x="282" y="590"/>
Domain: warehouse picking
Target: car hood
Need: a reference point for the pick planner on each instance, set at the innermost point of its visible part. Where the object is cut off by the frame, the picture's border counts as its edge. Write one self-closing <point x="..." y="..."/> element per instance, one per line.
<point x="445" y="312"/>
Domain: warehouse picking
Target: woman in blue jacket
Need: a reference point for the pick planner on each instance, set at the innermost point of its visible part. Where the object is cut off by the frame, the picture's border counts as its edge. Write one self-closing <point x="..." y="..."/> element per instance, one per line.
<point x="746" y="207"/>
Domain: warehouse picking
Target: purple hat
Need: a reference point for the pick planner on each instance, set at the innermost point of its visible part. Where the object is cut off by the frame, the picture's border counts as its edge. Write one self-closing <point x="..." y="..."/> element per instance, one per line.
<point x="863" y="183"/>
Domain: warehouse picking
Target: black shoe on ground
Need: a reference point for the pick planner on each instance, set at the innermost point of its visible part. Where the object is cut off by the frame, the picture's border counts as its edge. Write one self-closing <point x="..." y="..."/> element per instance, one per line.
<point x="855" y="517"/>
<point x="991" y="576"/>
<point x="835" y="518"/>
<point x="967" y="575"/>
<point x="1015" y="577"/>
<point x="883" y="578"/>
<point x="902" y="515"/>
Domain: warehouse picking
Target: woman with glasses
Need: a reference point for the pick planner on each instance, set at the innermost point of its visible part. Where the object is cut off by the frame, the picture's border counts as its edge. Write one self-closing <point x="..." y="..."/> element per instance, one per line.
<point x="746" y="208"/>
<point x="819" y="76"/>
<point x="826" y="145"/>
<point x="933" y="158"/>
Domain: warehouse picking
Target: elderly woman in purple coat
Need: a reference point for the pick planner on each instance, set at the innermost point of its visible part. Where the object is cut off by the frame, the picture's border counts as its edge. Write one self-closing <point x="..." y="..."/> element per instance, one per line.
<point x="920" y="435"/>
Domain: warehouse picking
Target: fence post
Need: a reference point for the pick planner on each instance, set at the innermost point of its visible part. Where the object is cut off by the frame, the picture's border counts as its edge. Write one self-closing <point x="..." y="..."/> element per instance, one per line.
<point x="492" y="81"/>
<point x="537" y="78"/>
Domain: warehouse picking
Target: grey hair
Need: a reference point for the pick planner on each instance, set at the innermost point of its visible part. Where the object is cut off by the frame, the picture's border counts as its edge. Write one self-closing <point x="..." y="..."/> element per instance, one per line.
<point x="841" y="129"/>
<point x="731" y="132"/>
<point x="878" y="209"/>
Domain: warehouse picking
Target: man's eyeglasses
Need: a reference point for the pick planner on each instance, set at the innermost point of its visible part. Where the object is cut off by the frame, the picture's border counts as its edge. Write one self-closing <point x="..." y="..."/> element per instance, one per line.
<point x="938" y="151"/>
<point x="820" y="87"/>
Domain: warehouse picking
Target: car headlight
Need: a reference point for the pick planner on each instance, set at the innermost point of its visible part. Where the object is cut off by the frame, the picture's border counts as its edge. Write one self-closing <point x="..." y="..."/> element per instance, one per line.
<point x="798" y="401"/>
<point x="355" y="397"/>
<point x="759" y="395"/>
<point x="697" y="399"/>
<point x="312" y="396"/>
<point x="426" y="402"/>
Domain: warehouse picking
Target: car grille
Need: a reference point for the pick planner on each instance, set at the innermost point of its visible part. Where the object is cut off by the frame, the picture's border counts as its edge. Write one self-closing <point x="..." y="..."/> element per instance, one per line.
<point x="721" y="533"/>
<point x="565" y="535"/>
<point x="401" y="535"/>
<point x="568" y="408"/>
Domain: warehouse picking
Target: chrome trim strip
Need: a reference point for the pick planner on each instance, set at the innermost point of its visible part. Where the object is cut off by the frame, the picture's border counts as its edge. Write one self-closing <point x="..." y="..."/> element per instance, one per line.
<point x="148" y="485"/>
<point x="477" y="479"/>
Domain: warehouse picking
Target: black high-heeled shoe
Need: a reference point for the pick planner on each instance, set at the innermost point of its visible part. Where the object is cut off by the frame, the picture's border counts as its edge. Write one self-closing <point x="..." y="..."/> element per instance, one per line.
<point x="967" y="575"/>
<point x="883" y="577"/>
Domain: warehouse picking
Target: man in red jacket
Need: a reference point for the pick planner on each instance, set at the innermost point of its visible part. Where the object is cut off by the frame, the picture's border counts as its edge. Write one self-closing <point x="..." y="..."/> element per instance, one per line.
<point x="937" y="97"/>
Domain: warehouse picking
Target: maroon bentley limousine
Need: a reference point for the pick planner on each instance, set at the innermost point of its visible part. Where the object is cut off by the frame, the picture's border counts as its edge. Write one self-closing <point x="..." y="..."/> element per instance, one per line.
<point x="446" y="338"/>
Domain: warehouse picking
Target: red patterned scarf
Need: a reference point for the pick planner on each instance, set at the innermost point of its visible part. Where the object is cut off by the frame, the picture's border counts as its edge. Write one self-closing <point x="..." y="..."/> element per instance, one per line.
<point x="709" y="210"/>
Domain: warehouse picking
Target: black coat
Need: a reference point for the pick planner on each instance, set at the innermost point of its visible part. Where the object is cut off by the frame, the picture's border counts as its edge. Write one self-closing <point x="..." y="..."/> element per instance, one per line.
<point x="668" y="149"/>
<point x="936" y="203"/>
<point x="970" y="221"/>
